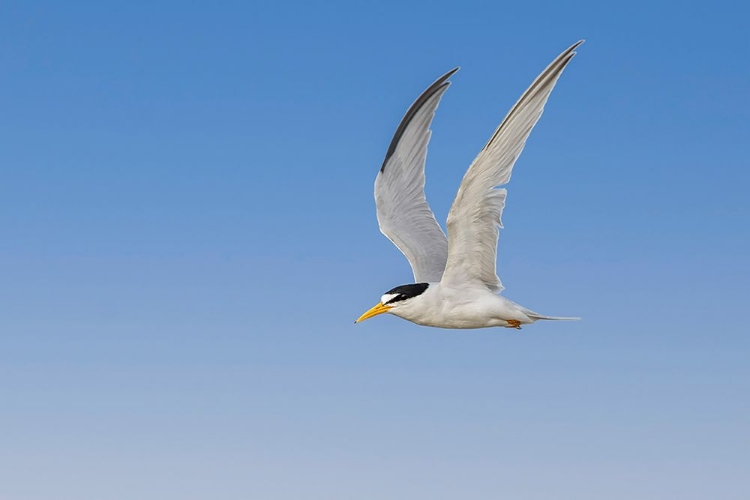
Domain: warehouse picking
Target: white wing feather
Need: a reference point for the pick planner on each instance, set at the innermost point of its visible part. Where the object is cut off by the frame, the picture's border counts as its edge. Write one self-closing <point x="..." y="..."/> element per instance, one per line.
<point x="475" y="217"/>
<point x="404" y="216"/>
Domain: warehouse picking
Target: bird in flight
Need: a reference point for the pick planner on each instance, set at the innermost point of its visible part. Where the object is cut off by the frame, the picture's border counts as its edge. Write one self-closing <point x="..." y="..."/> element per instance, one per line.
<point x="455" y="280"/>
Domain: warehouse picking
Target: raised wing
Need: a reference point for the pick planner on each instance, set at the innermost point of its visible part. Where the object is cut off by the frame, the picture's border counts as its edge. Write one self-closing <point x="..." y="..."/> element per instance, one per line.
<point x="474" y="220"/>
<point x="404" y="216"/>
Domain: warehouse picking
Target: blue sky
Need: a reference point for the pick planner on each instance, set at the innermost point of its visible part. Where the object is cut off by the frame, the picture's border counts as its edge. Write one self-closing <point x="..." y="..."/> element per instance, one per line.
<point x="188" y="233"/>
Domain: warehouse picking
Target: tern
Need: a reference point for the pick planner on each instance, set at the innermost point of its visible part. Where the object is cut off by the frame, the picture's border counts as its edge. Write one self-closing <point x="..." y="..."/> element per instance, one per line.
<point x="455" y="278"/>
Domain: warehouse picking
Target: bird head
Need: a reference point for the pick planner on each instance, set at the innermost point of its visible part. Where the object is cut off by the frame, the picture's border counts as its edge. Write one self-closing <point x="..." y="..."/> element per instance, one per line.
<point x="395" y="299"/>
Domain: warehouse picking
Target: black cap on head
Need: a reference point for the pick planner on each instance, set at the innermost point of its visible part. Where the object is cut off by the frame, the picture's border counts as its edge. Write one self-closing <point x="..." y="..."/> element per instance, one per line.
<point x="404" y="292"/>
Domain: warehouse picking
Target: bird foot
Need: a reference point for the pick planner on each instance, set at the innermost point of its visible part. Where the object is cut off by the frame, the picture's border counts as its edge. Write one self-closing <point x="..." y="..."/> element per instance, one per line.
<point x="513" y="323"/>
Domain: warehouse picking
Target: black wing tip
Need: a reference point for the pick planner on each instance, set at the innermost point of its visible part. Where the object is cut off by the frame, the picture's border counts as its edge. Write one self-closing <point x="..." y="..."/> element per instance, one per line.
<point x="450" y="73"/>
<point x="425" y="96"/>
<point x="572" y="49"/>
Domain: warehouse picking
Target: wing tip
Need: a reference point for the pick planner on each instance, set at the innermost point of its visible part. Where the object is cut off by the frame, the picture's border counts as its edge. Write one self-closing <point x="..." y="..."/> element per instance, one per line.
<point x="435" y="87"/>
<point x="571" y="51"/>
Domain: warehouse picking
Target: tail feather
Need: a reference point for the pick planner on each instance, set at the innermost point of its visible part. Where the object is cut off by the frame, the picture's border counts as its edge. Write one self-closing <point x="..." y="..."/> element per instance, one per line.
<point x="553" y="318"/>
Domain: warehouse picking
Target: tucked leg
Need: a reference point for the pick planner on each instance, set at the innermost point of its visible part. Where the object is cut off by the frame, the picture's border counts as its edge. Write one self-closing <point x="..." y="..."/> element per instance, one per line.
<point x="513" y="323"/>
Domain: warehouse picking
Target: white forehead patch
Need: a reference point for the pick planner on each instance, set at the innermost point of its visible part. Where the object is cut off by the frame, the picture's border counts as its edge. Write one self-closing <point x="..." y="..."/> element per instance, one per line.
<point x="388" y="297"/>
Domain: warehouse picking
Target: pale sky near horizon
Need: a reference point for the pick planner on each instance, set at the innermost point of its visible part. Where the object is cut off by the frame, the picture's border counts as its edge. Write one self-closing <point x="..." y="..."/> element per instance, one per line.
<point x="188" y="232"/>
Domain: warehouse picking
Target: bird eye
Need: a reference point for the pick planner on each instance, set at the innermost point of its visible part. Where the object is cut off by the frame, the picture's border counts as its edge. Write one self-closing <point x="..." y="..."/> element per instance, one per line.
<point x="390" y="298"/>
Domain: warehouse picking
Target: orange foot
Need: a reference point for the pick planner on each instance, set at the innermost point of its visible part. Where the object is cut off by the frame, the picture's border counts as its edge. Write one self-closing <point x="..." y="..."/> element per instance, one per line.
<point x="513" y="323"/>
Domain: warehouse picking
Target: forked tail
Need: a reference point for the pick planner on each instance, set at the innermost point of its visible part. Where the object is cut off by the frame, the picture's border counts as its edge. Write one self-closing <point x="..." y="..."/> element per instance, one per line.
<point x="553" y="318"/>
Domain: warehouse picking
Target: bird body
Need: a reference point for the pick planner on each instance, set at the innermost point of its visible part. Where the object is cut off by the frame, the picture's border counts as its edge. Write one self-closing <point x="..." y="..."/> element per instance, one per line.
<point x="466" y="307"/>
<point x="456" y="283"/>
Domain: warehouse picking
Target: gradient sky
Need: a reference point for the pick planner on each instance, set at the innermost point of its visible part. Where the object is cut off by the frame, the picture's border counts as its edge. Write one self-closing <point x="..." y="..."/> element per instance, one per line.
<point x="188" y="232"/>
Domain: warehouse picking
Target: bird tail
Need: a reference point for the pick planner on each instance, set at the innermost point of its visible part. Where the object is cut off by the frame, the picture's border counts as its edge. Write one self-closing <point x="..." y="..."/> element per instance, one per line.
<point x="536" y="316"/>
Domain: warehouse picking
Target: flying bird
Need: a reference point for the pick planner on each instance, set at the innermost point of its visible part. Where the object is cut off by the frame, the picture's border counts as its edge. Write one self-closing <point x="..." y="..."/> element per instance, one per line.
<point x="455" y="279"/>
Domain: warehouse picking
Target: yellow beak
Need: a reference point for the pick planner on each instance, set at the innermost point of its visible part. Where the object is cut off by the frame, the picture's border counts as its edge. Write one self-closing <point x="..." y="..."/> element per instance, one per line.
<point x="378" y="309"/>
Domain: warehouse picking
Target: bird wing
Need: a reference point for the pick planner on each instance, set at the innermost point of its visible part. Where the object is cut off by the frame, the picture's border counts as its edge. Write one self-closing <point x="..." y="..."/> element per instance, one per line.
<point x="474" y="220"/>
<point x="404" y="216"/>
